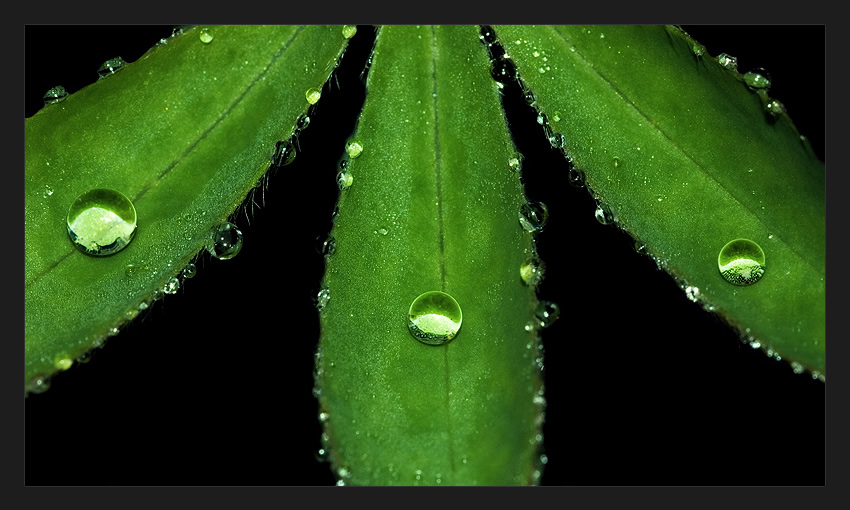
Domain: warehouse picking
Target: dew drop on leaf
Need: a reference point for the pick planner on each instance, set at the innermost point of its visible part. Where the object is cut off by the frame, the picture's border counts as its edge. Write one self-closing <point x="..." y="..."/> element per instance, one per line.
<point x="322" y="298"/>
<point x="171" y="286"/>
<point x="533" y="216"/>
<point x="354" y="148"/>
<point x="225" y="241"/>
<point x="603" y="214"/>
<point x="531" y="271"/>
<point x="101" y="222"/>
<point x="55" y="95"/>
<point x="313" y="95"/>
<point x="741" y="262"/>
<point x="546" y="313"/>
<point x="434" y="318"/>
<point x="284" y="153"/>
<point x="111" y="66"/>
<point x="728" y="61"/>
<point x="206" y="35"/>
<point x="189" y="271"/>
<point x="348" y="31"/>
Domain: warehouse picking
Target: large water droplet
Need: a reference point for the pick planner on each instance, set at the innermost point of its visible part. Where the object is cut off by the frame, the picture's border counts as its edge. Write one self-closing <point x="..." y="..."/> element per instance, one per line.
<point x="63" y="362"/>
<point x="728" y="61"/>
<point x="576" y="177"/>
<point x="503" y="70"/>
<point x="348" y="31"/>
<point x="284" y="153"/>
<point x="206" y="35"/>
<point x="546" y="313"/>
<point x="55" y="95"/>
<point x="313" y="95"/>
<point x="101" y="222"/>
<point x="533" y="216"/>
<point x="758" y="79"/>
<point x="225" y="241"/>
<point x="531" y="271"/>
<point x="515" y="163"/>
<point x="741" y="262"/>
<point x="354" y="148"/>
<point x="434" y="318"/>
<point x="111" y="66"/>
<point x="302" y="122"/>
<point x="487" y="34"/>
<point x="189" y="271"/>
<point x="604" y="215"/>
<point x="326" y="245"/>
<point x="344" y="180"/>
<point x="171" y="286"/>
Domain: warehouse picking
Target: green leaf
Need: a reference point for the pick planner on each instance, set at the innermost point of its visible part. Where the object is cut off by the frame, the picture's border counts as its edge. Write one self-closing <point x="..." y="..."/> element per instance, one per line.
<point x="687" y="158"/>
<point x="432" y="206"/>
<point x="186" y="133"/>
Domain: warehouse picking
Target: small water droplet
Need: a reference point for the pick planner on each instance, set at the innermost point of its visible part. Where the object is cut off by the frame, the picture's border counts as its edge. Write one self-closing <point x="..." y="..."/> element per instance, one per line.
<point x="63" y="362"/>
<point x="382" y="231"/>
<point x="557" y="140"/>
<point x="55" y="95"/>
<point x="531" y="271"/>
<point x="101" y="222"/>
<point x="224" y="241"/>
<point x="354" y="148"/>
<point x="348" y="31"/>
<point x="741" y="262"/>
<point x="189" y="271"/>
<point x="616" y="162"/>
<point x="302" y="122"/>
<point x="434" y="318"/>
<point x="487" y="35"/>
<point x="84" y="357"/>
<point x="48" y="191"/>
<point x="770" y="236"/>
<point x="284" y="153"/>
<point x="692" y="293"/>
<point x="171" y="286"/>
<point x="38" y="384"/>
<point x="775" y="108"/>
<point x="529" y="326"/>
<point x="546" y="313"/>
<point x="533" y="216"/>
<point x="206" y="35"/>
<point x="530" y="97"/>
<point x="113" y="331"/>
<point x="728" y="61"/>
<point x="515" y="164"/>
<point x="758" y="79"/>
<point x="111" y="66"/>
<point x="322" y="299"/>
<point x="313" y="95"/>
<point x="326" y="245"/>
<point x="576" y="177"/>
<point x="556" y="116"/>
<point x="344" y="180"/>
<point x="603" y="214"/>
<point x="797" y="367"/>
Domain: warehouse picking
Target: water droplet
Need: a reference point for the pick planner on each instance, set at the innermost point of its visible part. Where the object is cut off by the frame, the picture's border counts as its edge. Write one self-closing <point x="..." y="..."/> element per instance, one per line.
<point x="434" y="318"/>
<point x="48" y="191"/>
<point x="171" y="286"/>
<point x="692" y="293"/>
<point x="84" y="357"/>
<point x="556" y="116"/>
<point x="344" y="180"/>
<point x="111" y="66"/>
<point x="531" y="271"/>
<point x="55" y="95"/>
<point x="529" y="326"/>
<point x="157" y="294"/>
<point x="284" y="153"/>
<point x="770" y="236"/>
<point x="206" y="35"/>
<point x="616" y="162"/>
<point x="797" y="367"/>
<point x="757" y="79"/>
<point x="503" y="70"/>
<point x="530" y="97"/>
<point x="576" y="177"/>
<point x="604" y="215"/>
<point x="189" y="271"/>
<point x="38" y="384"/>
<point x="487" y="34"/>
<point x="313" y="95"/>
<point x="382" y="231"/>
<point x="302" y="122"/>
<point x="741" y="262"/>
<point x="515" y="164"/>
<point x="533" y="216"/>
<point x="354" y="148"/>
<point x="775" y="108"/>
<point x="546" y="313"/>
<point x="101" y="222"/>
<point x="224" y="241"/>
<point x="322" y="299"/>
<point x="728" y="61"/>
<point x="326" y="245"/>
<point x="63" y="362"/>
<point x="348" y="31"/>
<point x="113" y="331"/>
<point x="557" y="140"/>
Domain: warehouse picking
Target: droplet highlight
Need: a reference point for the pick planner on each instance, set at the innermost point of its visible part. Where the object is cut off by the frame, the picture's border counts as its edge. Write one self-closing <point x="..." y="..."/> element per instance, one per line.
<point x="741" y="262"/>
<point x="533" y="216"/>
<point x="101" y="222"/>
<point x="313" y="95"/>
<point x="225" y="241"/>
<point x="546" y="313"/>
<point x="531" y="271"/>
<point x="206" y="35"/>
<point x="434" y="318"/>
<point x="171" y="286"/>
<point x="55" y="95"/>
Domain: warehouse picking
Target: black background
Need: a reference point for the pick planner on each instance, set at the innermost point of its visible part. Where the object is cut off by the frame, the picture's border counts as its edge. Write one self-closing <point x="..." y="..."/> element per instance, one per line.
<point x="213" y="385"/>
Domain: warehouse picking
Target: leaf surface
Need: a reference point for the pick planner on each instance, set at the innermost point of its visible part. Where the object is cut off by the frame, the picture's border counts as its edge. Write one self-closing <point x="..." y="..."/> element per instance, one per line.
<point x="687" y="158"/>
<point x="185" y="132"/>
<point x="432" y="206"/>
